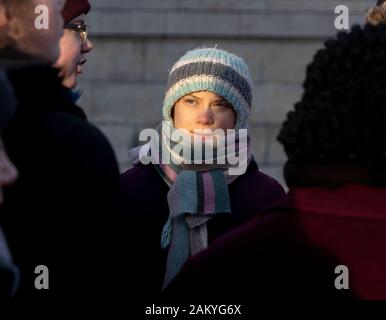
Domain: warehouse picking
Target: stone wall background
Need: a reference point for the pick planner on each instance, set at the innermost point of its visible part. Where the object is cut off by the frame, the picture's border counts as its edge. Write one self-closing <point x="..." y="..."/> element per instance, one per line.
<point x="137" y="41"/>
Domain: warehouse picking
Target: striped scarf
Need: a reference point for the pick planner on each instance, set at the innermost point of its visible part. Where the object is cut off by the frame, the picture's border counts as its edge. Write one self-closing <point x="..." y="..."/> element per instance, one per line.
<point x="198" y="192"/>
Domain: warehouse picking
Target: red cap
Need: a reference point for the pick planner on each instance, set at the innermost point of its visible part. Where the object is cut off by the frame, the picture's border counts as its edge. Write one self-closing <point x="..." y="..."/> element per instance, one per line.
<point x="74" y="8"/>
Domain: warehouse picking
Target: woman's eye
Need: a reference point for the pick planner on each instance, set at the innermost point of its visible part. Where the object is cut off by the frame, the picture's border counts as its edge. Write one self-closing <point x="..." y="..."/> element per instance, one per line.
<point x="190" y="101"/>
<point x="222" y="105"/>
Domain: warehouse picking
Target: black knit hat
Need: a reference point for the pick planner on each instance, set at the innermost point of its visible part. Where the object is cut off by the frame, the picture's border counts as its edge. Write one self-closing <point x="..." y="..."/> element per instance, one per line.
<point x="7" y="101"/>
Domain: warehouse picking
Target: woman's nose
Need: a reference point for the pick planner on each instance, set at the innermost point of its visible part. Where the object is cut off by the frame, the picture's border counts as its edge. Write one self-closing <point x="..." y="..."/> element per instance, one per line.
<point x="87" y="46"/>
<point x="8" y="172"/>
<point x="205" y="117"/>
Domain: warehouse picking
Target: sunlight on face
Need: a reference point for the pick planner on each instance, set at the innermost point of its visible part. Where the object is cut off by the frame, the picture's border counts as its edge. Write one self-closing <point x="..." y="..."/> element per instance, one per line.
<point x="203" y="110"/>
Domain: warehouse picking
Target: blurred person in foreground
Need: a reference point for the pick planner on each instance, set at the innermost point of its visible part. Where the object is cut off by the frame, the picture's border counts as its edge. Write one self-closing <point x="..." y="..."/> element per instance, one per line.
<point x="9" y="273"/>
<point x="58" y="213"/>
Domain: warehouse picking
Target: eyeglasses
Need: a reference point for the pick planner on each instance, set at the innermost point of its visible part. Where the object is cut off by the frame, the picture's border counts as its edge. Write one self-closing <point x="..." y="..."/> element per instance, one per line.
<point x="82" y="29"/>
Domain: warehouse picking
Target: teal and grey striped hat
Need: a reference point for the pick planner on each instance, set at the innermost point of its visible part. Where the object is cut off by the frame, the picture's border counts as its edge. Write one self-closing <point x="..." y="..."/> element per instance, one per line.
<point x="215" y="70"/>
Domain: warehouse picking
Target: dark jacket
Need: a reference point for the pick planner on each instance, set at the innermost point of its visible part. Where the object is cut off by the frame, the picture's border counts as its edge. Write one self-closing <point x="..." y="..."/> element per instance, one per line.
<point x="60" y="212"/>
<point x="8" y="277"/>
<point x="145" y="195"/>
<point x="7" y="101"/>
<point x="9" y="273"/>
<point x="291" y="251"/>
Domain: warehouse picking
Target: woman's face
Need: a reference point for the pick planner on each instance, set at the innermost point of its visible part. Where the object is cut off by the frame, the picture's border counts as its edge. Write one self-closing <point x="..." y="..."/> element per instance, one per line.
<point x="72" y="54"/>
<point x="8" y="172"/>
<point x="203" y="110"/>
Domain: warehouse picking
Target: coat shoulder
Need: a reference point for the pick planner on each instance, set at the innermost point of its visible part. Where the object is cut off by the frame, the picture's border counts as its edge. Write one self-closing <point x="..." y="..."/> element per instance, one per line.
<point x="256" y="177"/>
<point x="77" y="137"/>
<point x="255" y="191"/>
<point x="140" y="175"/>
<point x="143" y="182"/>
<point x="72" y="126"/>
<point x="55" y="145"/>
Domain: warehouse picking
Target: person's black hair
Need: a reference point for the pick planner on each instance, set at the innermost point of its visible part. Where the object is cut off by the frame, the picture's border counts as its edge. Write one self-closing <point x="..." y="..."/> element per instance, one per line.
<point x="341" y="117"/>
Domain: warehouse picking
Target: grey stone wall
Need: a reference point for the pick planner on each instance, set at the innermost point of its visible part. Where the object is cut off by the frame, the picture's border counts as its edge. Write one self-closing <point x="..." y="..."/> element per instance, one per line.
<point x="137" y="41"/>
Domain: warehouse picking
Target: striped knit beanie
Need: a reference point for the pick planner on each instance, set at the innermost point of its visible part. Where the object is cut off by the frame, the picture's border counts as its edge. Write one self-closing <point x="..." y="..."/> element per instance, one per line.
<point x="215" y="70"/>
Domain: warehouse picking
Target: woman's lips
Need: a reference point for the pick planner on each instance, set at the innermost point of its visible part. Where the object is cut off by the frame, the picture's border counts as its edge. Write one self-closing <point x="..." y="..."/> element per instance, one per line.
<point x="203" y="132"/>
<point x="203" y="135"/>
<point x="79" y="67"/>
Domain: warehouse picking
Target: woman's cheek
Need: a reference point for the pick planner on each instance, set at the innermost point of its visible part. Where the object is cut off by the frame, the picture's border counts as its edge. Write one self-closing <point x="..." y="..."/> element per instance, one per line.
<point x="73" y="58"/>
<point x="70" y="81"/>
<point x="76" y="48"/>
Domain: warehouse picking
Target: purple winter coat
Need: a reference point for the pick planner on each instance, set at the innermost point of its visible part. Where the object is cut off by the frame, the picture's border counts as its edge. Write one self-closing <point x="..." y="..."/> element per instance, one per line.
<point x="145" y="195"/>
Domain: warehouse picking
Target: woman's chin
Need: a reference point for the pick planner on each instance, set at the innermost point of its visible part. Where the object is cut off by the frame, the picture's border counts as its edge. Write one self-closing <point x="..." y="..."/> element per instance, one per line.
<point x="70" y="82"/>
<point x="205" y="138"/>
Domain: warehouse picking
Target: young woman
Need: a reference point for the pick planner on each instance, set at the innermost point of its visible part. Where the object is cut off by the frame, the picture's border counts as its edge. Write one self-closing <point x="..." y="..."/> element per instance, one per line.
<point x="74" y="44"/>
<point x="179" y="207"/>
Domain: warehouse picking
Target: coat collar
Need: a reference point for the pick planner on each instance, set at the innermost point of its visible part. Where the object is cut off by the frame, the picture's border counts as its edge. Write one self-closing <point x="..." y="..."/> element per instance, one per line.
<point x="39" y="88"/>
<point x="12" y="58"/>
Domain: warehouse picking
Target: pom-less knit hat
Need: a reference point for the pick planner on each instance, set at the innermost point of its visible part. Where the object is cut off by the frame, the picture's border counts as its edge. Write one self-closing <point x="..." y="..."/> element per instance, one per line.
<point x="215" y="70"/>
<point x="74" y="8"/>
